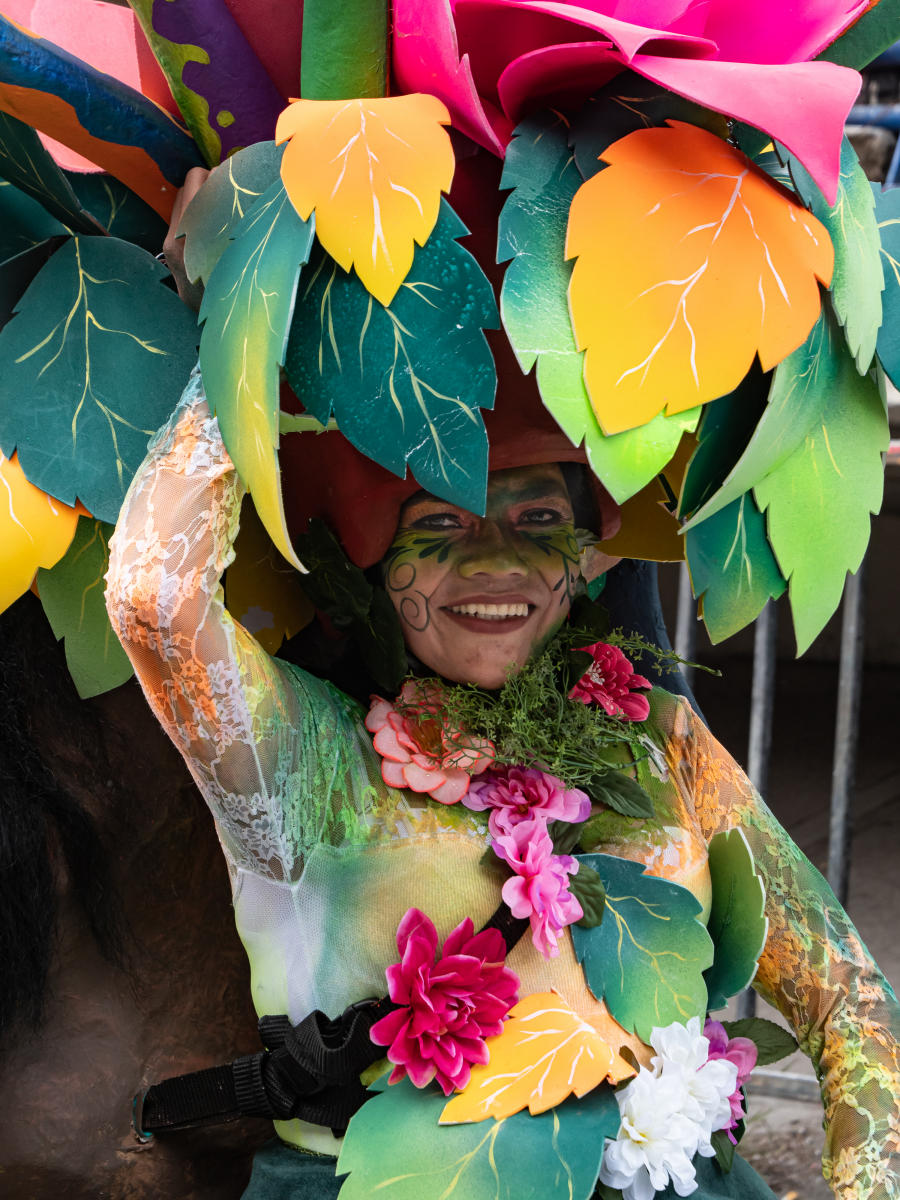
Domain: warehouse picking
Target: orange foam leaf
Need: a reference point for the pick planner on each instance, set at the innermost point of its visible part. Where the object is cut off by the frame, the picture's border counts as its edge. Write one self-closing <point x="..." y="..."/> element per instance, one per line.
<point x="35" y="530"/>
<point x="373" y="170"/>
<point x="544" y="1054"/>
<point x="689" y="261"/>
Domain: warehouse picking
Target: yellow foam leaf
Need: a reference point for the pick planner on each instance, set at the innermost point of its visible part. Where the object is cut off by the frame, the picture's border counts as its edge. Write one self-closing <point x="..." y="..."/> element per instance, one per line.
<point x="689" y="261"/>
<point x="373" y="170"/>
<point x="35" y="530"/>
<point x="545" y="1053"/>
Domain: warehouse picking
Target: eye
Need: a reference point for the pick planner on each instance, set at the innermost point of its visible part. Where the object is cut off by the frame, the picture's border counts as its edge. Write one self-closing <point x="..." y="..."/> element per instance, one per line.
<point x="543" y="516"/>
<point x="437" y="521"/>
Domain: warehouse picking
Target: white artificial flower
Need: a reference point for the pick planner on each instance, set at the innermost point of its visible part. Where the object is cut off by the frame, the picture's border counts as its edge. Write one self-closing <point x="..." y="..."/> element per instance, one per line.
<point x="683" y="1050"/>
<point x="656" y="1140"/>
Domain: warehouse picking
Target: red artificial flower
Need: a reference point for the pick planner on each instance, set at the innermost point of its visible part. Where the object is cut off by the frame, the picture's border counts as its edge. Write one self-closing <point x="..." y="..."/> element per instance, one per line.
<point x="610" y="681"/>
<point x="418" y="750"/>
<point x="517" y="794"/>
<point x="450" y="1002"/>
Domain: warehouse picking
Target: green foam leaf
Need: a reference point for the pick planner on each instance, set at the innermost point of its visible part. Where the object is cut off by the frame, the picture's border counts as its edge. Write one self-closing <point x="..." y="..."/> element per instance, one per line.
<point x="95" y="358"/>
<point x="732" y="567"/>
<point x="737" y="921"/>
<point x="25" y="163"/>
<point x="534" y="308"/>
<point x="23" y="222"/>
<point x="246" y="311"/>
<point x="230" y="191"/>
<point x="395" y="1148"/>
<point x="72" y="595"/>
<point x="887" y="215"/>
<point x="626" y="104"/>
<point x="799" y="385"/>
<point x="118" y="209"/>
<point x="344" y="49"/>
<point x="818" y="500"/>
<point x="405" y="382"/>
<point x="647" y="957"/>
<point x="876" y="30"/>
<point x="858" y="279"/>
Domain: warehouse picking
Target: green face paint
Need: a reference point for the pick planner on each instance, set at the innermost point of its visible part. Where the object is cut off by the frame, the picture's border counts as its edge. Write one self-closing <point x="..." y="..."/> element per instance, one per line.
<point x="476" y="595"/>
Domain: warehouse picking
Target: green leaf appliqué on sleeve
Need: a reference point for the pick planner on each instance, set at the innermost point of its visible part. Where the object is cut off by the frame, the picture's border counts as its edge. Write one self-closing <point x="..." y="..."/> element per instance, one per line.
<point x="246" y="311"/>
<point x="405" y="382"/>
<point x="72" y="596"/>
<point x="858" y="279"/>
<point x="394" y="1148"/>
<point x="96" y="356"/>
<point x="819" y="500"/>
<point x="647" y="957"/>
<point x="534" y="305"/>
<point x="737" y="921"/>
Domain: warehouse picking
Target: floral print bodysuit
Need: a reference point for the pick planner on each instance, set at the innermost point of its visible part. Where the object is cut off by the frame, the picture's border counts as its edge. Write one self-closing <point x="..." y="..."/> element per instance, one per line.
<point x="325" y="858"/>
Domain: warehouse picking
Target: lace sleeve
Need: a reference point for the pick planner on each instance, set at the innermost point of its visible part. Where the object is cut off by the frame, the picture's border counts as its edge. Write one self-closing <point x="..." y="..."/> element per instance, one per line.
<point x="817" y="972"/>
<point x="223" y="701"/>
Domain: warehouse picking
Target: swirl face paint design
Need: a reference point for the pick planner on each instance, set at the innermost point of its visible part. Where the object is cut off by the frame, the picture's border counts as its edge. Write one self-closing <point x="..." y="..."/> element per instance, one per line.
<point x="477" y="595"/>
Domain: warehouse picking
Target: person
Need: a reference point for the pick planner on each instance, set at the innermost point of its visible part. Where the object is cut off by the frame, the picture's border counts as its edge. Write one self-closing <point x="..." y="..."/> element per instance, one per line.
<point x="328" y="853"/>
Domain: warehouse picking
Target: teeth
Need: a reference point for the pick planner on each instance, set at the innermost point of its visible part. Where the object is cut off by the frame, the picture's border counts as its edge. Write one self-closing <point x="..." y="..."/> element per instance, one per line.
<point x="491" y="612"/>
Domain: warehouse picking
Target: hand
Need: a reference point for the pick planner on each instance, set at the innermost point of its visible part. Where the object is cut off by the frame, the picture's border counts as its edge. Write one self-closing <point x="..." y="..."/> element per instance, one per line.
<point x="173" y="246"/>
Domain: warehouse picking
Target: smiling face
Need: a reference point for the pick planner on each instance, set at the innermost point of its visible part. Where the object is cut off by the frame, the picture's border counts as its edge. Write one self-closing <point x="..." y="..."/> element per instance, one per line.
<point x="477" y="595"/>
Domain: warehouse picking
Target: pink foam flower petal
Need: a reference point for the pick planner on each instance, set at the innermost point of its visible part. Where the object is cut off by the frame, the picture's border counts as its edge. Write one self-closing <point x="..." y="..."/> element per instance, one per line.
<point x="377" y="714"/>
<point x="803" y="105"/>
<point x="773" y="32"/>
<point x="388" y="744"/>
<point x="426" y="59"/>
<point x="421" y="779"/>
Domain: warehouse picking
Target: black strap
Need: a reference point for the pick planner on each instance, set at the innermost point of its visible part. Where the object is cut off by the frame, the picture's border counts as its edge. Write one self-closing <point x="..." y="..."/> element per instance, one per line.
<point x="310" y="1070"/>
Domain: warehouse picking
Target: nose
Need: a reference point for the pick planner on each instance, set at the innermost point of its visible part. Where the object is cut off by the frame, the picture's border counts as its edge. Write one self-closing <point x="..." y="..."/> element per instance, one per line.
<point x="491" y="551"/>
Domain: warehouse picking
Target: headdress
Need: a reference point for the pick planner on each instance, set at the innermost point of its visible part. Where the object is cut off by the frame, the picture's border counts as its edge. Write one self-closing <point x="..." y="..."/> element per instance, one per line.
<point x="691" y="258"/>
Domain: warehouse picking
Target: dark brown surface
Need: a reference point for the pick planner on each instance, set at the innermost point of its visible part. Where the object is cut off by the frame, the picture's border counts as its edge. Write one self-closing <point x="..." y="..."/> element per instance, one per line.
<point x="65" y="1092"/>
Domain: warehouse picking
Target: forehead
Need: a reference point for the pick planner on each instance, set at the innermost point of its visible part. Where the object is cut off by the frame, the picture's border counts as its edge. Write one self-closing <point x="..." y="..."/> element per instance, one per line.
<point x="510" y="486"/>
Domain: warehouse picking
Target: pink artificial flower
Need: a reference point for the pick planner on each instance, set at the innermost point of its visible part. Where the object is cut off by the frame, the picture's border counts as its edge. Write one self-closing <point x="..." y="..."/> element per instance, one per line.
<point x="740" y="1051"/>
<point x="490" y="60"/>
<point x="516" y="794"/>
<point x="539" y="888"/>
<point x="418" y="751"/>
<point x="450" y="1002"/>
<point x="610" y="682"/>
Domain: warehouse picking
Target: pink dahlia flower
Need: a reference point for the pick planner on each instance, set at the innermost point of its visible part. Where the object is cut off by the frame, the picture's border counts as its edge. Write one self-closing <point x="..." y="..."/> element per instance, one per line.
<point x="419" y="752"/>
<point x="539" y="888"/>
<point x="489" y="60"/>
<point x="740" y="1051"/>
<point x="610" y="681"/>
<point x="450" y="1002"/>
<point x="516" y="794"/>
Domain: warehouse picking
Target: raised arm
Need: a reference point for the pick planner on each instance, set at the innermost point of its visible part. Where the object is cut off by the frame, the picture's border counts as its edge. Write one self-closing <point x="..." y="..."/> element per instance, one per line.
<point x="817" y="972"/>
<point x="227" y="706"/>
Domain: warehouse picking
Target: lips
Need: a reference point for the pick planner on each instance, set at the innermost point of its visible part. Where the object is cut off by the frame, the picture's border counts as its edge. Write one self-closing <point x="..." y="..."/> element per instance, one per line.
<point x="490" y="614"/>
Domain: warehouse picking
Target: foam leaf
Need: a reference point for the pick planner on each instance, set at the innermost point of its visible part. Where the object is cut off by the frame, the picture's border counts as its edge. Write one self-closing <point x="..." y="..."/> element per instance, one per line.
<point x="838" y="472"/>
<point x="101" y="350"/>
<point x="544" y="1053"/>
<point x="858" y="278"/>
<point x="728" y="268"/>
<point x="72" y="596"/>
<point x="373" y="170"/>
<point x="246" y="310"/>
<point x="647" y="956"/>
<point x="395" y="1149"/>
<point x="737" y="921"/>
<point x="35" y="530"/>
<point x="535" y="311"/>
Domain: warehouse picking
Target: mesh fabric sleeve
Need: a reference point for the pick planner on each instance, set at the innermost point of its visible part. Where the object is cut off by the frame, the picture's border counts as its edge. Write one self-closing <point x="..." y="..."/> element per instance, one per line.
<point x="239" y="718"/>
<point x="816" y="971"/>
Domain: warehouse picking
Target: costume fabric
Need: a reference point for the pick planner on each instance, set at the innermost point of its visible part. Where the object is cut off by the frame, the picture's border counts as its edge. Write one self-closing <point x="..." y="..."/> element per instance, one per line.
<point x="325" y="858"/>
